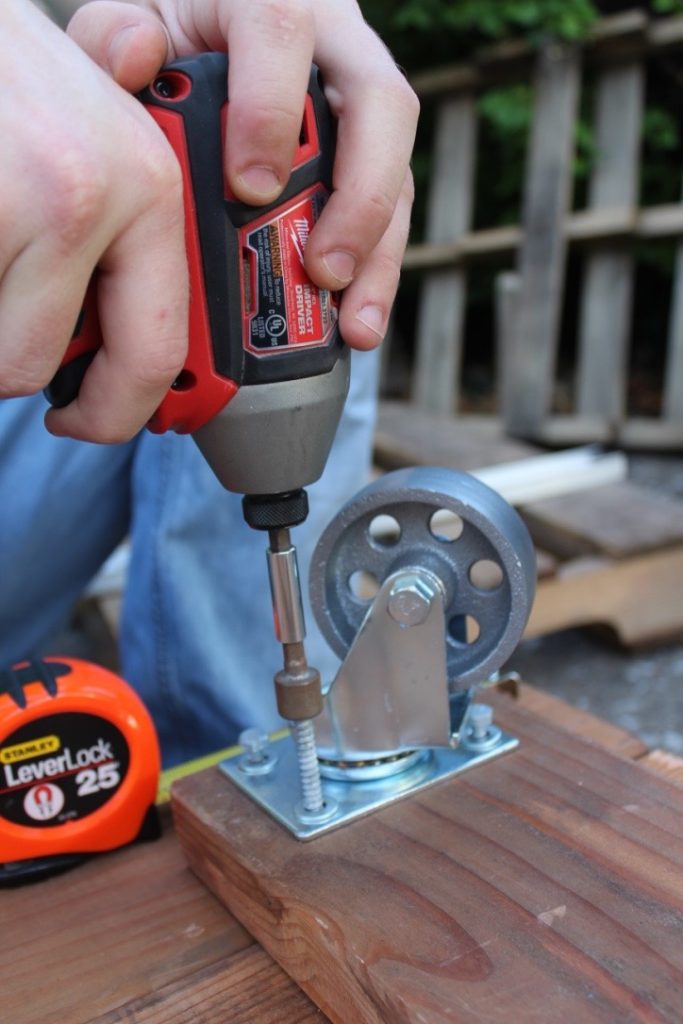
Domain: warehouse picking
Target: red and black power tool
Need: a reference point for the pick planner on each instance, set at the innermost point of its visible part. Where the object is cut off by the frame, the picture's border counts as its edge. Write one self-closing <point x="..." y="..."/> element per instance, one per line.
<point x="265" y="380"/>
<point x="79" y="767"/>
<point x="266" y="375"/>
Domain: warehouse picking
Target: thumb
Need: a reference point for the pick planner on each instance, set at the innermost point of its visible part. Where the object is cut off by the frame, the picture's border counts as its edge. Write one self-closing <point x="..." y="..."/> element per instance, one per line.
<point x="130" y="44"/>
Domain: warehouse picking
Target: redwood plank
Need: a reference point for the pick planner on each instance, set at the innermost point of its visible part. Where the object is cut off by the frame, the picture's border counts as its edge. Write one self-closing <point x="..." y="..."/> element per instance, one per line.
<point x="546" y="886"/>
<point x="248" y="988"/>
<point x="116" y="928"/>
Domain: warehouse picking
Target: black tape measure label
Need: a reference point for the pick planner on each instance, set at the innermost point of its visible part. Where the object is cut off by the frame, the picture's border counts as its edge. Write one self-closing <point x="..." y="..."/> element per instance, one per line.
<point x="60" y="768"/>
<point x="289" y="311"/>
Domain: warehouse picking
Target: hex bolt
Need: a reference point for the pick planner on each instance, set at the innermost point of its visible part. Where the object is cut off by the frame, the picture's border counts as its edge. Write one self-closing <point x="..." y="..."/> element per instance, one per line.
<point x="257" y="758"/>
<point x="410" y="600"/>
<point x="479" y="721"/>
<point x="254" y="742"/>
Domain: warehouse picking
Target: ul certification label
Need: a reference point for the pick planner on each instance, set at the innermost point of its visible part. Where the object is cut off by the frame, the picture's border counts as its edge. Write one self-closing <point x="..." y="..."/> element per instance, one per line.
<point x="60" y="768"/>
<point x="286" y="310"/>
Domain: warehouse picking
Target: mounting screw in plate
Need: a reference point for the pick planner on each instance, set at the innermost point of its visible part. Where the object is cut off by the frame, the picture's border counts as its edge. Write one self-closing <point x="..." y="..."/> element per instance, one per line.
<point x="480" y="733"/>
<point x="326" y="813"/>
<point x="257" y="759"/>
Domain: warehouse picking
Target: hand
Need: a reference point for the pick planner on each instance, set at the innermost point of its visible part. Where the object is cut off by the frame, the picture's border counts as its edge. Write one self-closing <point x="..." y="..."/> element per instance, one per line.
<point x="359" y="240"/>
<point x="86" y="178"/>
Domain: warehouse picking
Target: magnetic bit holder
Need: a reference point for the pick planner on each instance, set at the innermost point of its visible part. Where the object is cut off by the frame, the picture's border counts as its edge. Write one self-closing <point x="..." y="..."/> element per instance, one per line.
<point x="422" y="584"/>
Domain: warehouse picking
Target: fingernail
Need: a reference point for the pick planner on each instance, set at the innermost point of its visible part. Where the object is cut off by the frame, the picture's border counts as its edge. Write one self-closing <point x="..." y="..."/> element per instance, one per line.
<point x="117" y="48"/>
<point x="341" y="265"/>
<point x="263" y="182"/>
<point x="374" y="319"/>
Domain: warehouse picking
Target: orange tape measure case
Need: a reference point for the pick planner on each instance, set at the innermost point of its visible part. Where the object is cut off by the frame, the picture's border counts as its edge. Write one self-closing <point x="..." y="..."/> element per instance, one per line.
<point x="79" y="766"/>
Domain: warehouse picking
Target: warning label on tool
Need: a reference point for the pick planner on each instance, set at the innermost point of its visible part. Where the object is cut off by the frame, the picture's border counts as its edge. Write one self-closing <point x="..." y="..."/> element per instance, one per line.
<point x="286" y="311"/>
<point x="60" y="768"/>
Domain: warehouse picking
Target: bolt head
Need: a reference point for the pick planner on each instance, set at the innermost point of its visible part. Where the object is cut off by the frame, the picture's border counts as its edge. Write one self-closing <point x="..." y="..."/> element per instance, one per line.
<point x="410" y="601"/>
<point x="479" y="719"/>
<point x="253" y="740"/>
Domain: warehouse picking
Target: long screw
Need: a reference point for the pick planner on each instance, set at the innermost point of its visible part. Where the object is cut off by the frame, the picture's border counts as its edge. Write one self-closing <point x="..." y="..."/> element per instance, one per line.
<point x="303" y="735"/>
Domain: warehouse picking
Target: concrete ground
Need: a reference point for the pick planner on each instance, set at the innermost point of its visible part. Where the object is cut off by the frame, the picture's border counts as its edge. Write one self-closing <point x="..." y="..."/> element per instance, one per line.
<point x="641" y="691"/>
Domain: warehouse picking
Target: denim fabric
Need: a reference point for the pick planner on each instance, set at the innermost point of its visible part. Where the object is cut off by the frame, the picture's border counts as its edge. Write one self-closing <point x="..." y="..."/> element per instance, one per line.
<point x="197" y="637"/>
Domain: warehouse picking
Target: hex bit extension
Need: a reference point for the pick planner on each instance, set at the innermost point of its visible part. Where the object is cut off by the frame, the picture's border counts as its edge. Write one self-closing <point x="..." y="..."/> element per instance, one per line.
<point x="297" y="684"/>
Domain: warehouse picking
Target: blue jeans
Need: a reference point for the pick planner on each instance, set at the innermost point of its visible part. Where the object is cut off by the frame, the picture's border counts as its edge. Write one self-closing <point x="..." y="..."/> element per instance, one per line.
<point x="196" y="635"/>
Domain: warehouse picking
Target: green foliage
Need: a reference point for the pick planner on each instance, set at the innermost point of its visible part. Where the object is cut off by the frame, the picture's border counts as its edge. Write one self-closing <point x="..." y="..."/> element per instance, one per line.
<point x="424" y="32"/>
<point x="660" y="130"/>
<point x="569" y="19"/>
<point x="667" y="6"/>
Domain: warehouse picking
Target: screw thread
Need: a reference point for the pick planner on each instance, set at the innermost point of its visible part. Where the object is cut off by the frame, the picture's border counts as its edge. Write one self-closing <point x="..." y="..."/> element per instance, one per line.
<point x="303" y="734"/>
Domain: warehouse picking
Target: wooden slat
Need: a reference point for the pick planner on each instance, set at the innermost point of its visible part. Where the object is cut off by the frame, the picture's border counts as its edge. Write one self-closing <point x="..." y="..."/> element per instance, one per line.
<point x="628" y="33"/>
<point x="618" y="224"/>
<point x="616" y="520"/>
<point x="663" y="434"/>
<point x="122" y="926"/>
<point x="634" y="433"/>
<point x="506" y="304"/>
<point x="545" y="886"/>
<point x="607" y="293"/>
<point x="668" y="765"/>
<point x="640" y="599"/>
<point x="442" y="302"/>
<point x="248" y="988"/>
<point x="673" y="384"/>
<point x="542" y="254"/>
<point x="406" y="436"/>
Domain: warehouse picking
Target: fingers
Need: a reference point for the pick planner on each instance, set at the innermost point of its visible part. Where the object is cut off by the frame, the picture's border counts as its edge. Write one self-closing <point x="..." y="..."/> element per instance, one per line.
<point x="366" y="303"/>
<point x="271" y="49"/>
<point x="377" y="121"/>
<point x="127" y="42"/>
<point x="86" y="178"/>
<point x="33" y="299"/>
<point x="142" y="303"/>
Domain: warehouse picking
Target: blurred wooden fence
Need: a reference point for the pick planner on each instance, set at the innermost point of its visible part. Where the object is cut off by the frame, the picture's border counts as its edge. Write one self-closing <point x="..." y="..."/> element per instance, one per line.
<point x="529" y="299"/>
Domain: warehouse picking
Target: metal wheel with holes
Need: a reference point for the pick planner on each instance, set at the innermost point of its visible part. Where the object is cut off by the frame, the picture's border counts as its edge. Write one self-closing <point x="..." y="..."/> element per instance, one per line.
<point x="450" y="524"/>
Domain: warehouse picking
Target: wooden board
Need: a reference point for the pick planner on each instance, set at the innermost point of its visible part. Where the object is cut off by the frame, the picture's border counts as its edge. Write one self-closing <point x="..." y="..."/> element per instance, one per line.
<point x="541" y="259"/>
<point x="407" y="436"/>
<point x="616" y="520"/>
<point x="441" y="313"/>
<point x="544" y="887"/>
<point x="249" y="988"/>
<point x="607" y="294"/>
<point x="132" y="936"/>
<point x="673" y="384"/>
<point x="640" y="599"/>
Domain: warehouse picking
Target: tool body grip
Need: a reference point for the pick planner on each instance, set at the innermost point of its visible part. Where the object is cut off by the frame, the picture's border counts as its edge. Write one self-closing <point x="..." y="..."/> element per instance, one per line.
<point x="255" y="316"/>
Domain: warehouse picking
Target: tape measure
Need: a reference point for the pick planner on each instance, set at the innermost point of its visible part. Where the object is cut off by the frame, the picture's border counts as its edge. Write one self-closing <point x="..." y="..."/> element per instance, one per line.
<point x="79" y="766"/>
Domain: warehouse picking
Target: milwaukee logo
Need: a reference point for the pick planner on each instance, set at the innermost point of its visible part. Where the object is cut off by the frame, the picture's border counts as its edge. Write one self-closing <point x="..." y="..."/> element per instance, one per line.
<point x="63" y="764"/>
<point x="299" y="233"/>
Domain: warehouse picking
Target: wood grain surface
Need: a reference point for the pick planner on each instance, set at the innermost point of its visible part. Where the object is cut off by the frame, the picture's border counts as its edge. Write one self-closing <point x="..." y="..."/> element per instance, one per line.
<point x="640" y="599"/>
<point x="545" y="887"/>
<point x="617" y="520"/>
<point x="133" y="936"/>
